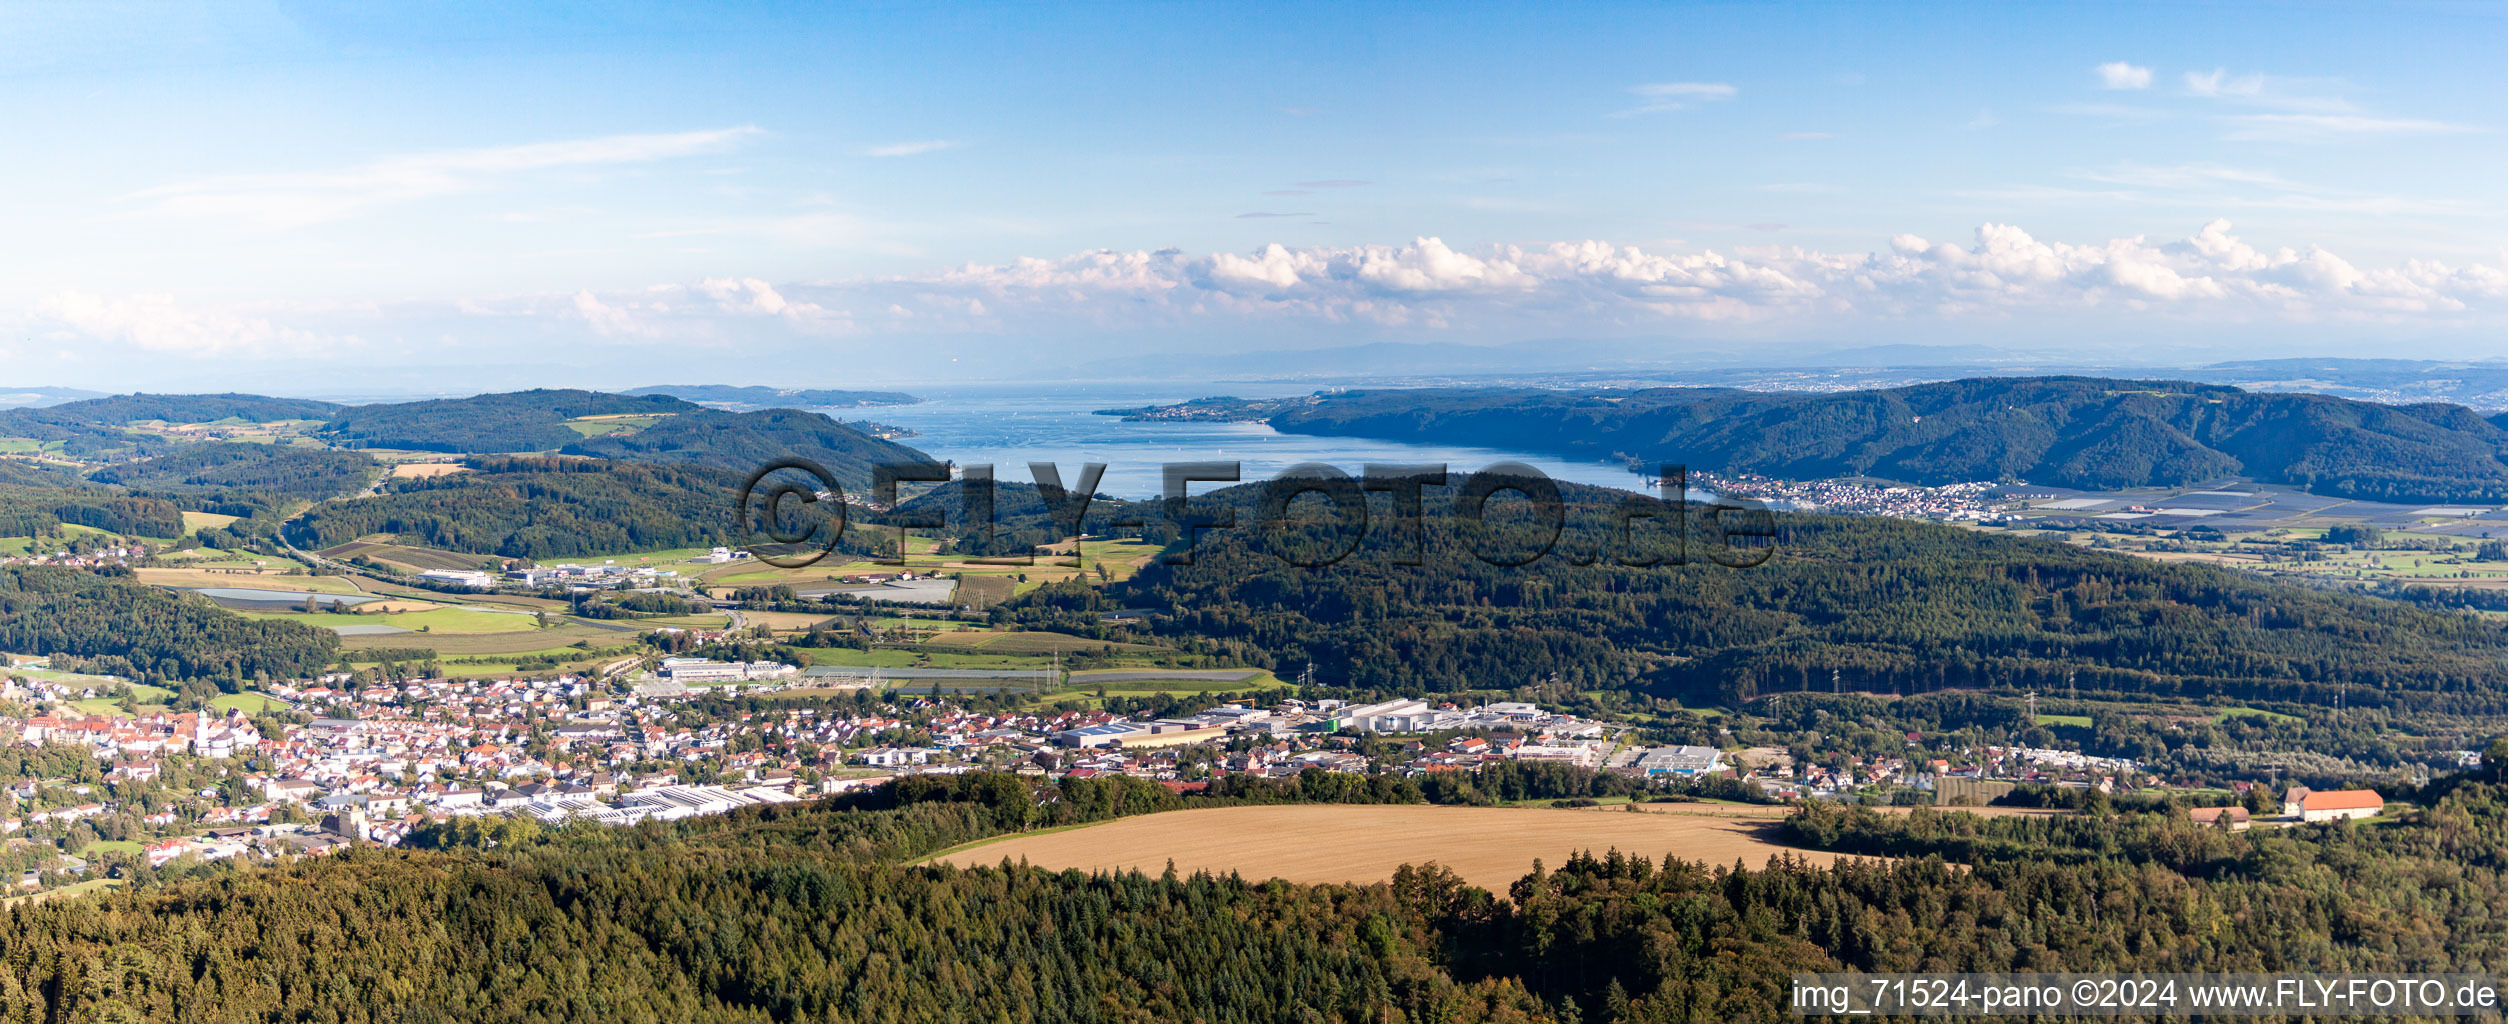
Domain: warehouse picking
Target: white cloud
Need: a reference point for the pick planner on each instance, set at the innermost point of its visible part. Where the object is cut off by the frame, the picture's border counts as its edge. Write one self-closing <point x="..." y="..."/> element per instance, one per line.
<point x="156" y="323"/>
<point x="916" y="148"/>
<point x="2217" y="83"/>
<point x="749" y="296"/>
<point x="2003" y="277"/>
<point x="2004" y="271"/>
<point x="2120" y="75"/>
<point x="1663" y="96"/>
<point x="305" y="198"/>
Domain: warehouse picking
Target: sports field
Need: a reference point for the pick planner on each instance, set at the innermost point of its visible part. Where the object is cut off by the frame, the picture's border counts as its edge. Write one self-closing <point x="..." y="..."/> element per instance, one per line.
<point x="1307" y="843"/>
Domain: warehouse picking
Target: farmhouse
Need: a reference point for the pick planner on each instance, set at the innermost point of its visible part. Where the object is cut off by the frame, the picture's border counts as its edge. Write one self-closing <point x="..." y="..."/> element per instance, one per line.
<point x="2234" y="819"/>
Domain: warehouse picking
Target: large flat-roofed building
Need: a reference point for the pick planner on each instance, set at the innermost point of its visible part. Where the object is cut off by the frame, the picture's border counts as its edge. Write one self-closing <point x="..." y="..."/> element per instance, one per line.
<point x="682" y="670"/>
<point x="471" y="578"/>
<point x="1390" y="716"/>
<point x="1106" y="735"/>
<point x="1684" y="760"/>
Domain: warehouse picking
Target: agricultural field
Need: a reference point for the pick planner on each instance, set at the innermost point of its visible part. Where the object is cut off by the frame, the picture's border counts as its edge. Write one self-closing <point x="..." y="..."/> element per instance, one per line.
<point x="983" y="590"/>
<point x="2404" y="556"/>
<point x="277" y="574"/>
<point x="75" y="678"/>
<point x="78" y="889"/>
<point x="1094" y="691"/>
<point x="595" y="426"/>
<point x="414" y="558"/>
<point x="69" y="532"/>
<point x="1321" y="843"/>
<point x="554" y="639"/>
<point x="405" y="615"/>
<point x="249" y="703"/>
<point x="195" y="558"/>
<point x="796" y="622"/>
<point x="1037" y="642"/>
<point x="194" y="522"/>
<point x="422" y="470"/>
<point x="1119" y="558"/>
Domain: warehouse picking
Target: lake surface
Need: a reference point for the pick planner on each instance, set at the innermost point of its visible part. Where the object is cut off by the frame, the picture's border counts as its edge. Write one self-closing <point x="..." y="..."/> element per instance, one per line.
<point x="1011" y="425"/>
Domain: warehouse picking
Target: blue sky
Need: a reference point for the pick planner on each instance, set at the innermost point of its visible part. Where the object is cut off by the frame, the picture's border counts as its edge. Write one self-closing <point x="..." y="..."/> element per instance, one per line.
<point x="294" y="196"/>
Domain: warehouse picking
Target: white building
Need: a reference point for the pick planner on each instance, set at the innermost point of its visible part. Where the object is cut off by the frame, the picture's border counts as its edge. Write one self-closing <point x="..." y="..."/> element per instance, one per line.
<point x="687" y="670"/>
<point x="1680" y="760"/>
<point x="1390" y="716"/>
<point x="2333" y="805"/>
<point x="471" y="578"/>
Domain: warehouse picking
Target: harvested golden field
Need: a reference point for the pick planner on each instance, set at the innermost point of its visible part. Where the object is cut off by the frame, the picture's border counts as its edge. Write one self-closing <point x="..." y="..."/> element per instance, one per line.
<point x="1489" y="847"/>
<point x="791" y="620"/>
<point x="408" y="470"/>
<point x="245" y="579"/>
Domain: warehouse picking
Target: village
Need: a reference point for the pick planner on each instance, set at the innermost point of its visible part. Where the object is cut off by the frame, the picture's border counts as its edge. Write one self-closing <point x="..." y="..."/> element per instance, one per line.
<point x="1974" y="501"/>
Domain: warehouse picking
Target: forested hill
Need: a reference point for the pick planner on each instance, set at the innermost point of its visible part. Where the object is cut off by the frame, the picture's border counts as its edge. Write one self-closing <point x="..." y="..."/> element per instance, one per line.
<point x="744" y="441"/>
<point x="196" y="408"/>
<point x="521" y="421"/>
<point x="2063" y="431"/>
<point x="540" y="507"/>
<point x="308" y="473"/>
<point x="1889" y="606"/>
<point x="112" y="624"/>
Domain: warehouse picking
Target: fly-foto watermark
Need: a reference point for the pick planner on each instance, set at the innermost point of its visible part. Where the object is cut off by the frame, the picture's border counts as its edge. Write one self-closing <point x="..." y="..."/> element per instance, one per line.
<point x="775" y="505"/>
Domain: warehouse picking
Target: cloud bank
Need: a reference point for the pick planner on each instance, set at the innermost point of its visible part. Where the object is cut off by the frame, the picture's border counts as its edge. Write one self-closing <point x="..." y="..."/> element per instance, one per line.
<point x="2002" y="280"/>
<point x="2001" y="272"/>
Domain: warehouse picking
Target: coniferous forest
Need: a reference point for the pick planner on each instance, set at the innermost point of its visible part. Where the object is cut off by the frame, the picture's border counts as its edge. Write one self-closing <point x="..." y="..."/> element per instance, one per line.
<point x="814" y="913"/>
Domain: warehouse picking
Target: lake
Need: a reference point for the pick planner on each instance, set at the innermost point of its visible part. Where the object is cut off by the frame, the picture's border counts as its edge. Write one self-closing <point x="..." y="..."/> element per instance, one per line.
<point x="1011" y="425"/>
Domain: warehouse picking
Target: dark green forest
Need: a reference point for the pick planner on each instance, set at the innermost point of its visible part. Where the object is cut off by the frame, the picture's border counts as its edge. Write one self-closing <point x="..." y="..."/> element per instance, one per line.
<point x="807" y="913"/>
<point x="306" y="473"/>
<point x="2083" y="432"/>
<point x="540" y="507"/>
<point x="39" y="511"/>
<point x="111" y="624"/>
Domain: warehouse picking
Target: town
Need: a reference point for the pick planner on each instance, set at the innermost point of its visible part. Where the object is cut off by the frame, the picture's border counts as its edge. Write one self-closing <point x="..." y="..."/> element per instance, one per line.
<point x="337" y="762"/>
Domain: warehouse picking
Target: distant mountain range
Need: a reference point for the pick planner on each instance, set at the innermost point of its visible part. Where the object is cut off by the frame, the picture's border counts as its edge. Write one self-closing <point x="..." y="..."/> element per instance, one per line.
<point x="2481" y="385"/>
<point x="787" y="398"/>
<point x="2080" y="432"/>
<point x="21" y="398"/>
